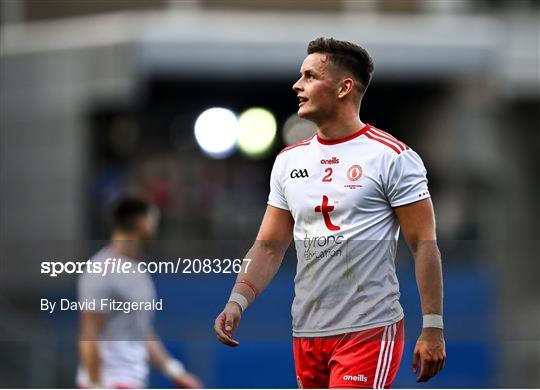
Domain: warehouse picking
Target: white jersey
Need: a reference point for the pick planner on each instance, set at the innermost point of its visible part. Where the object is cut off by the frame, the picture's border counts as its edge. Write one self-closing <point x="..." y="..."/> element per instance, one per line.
<point x="121" y="347"/>
<point x="341" y="196"/>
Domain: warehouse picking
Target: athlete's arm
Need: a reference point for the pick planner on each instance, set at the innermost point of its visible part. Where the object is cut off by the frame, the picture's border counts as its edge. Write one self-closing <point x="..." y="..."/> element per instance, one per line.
<point x="90" y="326"/>
<point x="417" y="221"/>
<point x="266" y="254"/>
<point x="169" y="366"/>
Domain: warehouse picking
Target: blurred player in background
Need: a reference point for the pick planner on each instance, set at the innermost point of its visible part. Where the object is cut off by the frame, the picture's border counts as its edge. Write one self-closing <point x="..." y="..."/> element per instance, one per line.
<point x="343" y="194"/>
<point x="115" y="347"/>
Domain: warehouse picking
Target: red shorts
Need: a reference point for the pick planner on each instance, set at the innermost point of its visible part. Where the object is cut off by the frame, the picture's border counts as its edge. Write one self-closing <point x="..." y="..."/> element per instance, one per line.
<point x="365" y="359"/>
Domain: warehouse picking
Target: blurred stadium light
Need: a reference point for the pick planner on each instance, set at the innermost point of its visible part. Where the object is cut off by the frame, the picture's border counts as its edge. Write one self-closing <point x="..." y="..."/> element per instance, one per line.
<point x="257" y="131"/>
<point x="296" y="129"/>
<point x="216" y="131"/>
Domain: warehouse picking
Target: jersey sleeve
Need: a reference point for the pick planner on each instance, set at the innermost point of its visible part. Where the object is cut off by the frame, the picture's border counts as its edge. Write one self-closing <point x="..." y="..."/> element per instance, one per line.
<point x="277" y="193"/>
<point x="407" y="181"/>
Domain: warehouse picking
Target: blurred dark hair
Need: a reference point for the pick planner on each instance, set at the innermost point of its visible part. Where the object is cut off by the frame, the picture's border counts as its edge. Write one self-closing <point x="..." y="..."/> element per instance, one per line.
<point x="347" y="56"/>
<point x="127" y="210"/>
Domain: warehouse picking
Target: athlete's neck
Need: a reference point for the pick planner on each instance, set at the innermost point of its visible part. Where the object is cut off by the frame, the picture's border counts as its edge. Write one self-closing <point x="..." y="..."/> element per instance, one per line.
<point x="126" y="244"/>
<point x="338" y="129"/>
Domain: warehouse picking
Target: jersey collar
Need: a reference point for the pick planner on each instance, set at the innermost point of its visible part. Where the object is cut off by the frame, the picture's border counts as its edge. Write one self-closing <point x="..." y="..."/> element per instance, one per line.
<point x="341" y="140"/>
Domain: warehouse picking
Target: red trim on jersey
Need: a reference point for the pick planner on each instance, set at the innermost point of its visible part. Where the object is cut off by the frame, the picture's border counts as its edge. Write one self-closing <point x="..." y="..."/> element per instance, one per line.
<point x="301" y="143"/>
<point x="382" y="141"/>
<point x="388" y="139"/>
<point x="338" y="141"/>
<point x="386" y="135"/>
<point x="391" y="139"/>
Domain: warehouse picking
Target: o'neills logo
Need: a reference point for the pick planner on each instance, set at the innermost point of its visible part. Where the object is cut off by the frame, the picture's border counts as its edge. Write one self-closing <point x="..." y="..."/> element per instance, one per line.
<point x="333" y="160"/>
<point x="355" y="378"/>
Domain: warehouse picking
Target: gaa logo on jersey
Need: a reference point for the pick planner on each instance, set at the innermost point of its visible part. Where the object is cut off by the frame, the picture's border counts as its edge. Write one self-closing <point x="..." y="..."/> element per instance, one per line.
<point x="354" y="173"/>
<point x="299" y="173"/>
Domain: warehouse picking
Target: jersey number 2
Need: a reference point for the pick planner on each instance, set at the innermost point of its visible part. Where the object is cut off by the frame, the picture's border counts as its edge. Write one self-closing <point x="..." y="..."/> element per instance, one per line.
<point x="328" y="174"/>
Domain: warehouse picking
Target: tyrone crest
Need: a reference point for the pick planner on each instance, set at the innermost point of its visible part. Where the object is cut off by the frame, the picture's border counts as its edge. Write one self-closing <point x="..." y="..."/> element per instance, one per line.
<point x="354" y="173"/>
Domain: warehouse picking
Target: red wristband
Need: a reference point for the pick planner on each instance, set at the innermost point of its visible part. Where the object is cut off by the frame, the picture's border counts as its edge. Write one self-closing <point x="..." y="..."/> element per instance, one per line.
<point x="250" y="285"/>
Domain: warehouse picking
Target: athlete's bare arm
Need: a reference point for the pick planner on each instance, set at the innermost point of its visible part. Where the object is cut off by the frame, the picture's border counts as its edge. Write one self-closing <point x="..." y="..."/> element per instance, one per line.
<point x="266" y="254"/>
<point x="159" y="357"/>
<point x="90" y="326"/>
<point x="417" y="221"/>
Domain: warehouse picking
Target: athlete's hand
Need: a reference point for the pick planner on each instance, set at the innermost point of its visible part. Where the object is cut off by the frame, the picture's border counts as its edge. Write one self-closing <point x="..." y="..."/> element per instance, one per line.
<point x="227" y="322"/>
<point x="430" y="351"/>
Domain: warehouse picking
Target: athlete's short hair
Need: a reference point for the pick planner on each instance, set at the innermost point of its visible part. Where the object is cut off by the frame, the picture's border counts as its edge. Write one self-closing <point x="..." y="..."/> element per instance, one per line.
<point x="127" y="210"/>
<point x="347" y="56"/>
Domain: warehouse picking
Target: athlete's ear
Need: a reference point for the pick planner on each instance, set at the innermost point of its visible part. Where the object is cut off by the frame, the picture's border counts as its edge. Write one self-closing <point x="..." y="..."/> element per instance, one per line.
<point x="346" y="86"/>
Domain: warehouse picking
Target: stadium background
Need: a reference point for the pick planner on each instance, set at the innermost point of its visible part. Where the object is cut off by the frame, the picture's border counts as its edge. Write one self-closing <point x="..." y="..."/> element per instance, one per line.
<point x="97" y="97"/>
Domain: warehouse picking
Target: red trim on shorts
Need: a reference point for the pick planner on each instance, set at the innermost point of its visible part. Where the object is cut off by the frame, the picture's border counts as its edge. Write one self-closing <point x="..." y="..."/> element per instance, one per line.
<point x="364" y="359"/>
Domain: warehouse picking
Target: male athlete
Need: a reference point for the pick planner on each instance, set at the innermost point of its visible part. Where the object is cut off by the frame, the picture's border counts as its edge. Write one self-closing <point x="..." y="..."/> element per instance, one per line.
<point x="114" y="346"/>
<point x="343" y="194"/>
